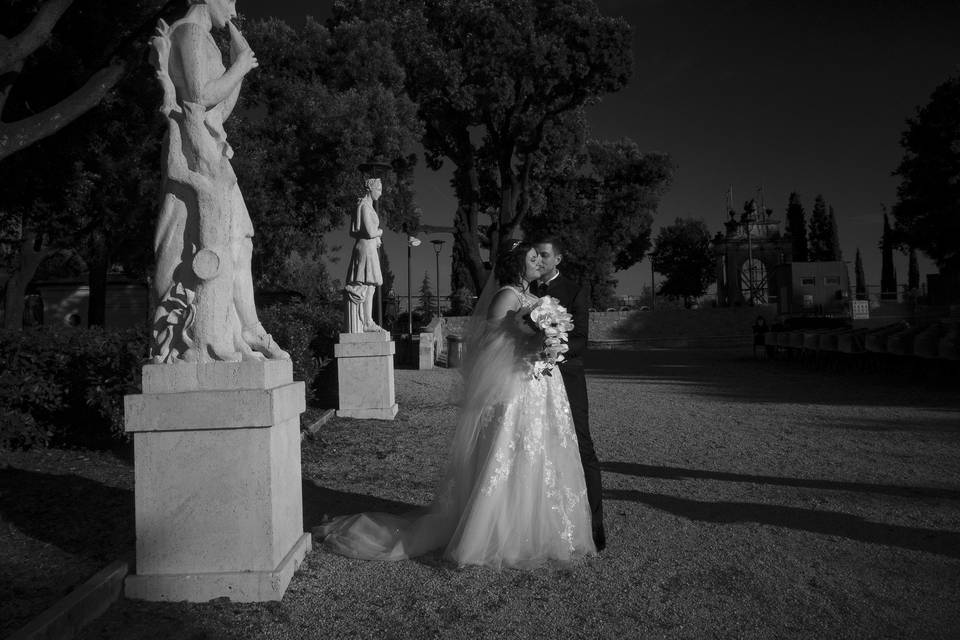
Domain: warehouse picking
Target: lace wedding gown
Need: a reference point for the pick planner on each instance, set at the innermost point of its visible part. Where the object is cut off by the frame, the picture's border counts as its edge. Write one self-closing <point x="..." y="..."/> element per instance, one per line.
<point x="513" y="492"/>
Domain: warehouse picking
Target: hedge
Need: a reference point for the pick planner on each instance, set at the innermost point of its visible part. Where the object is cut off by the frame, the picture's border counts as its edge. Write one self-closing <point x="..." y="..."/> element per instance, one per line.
<point x="66" y="388"/>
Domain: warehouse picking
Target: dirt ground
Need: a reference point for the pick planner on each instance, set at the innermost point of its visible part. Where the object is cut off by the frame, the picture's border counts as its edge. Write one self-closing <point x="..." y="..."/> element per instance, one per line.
<point x="743" y="498"/>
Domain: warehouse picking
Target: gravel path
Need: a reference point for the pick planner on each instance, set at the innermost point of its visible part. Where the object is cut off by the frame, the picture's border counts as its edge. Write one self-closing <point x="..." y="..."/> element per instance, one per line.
<point x="744" y="498"/>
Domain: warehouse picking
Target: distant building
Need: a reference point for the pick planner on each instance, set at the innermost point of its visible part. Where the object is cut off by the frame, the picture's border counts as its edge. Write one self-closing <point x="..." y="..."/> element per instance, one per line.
<point x="747" y="255"/>
<point x="812" y="288"/>
<point x="64" y="302"/>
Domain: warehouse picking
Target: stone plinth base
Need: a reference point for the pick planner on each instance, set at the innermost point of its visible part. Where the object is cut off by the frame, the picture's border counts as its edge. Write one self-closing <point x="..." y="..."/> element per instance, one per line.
<point x="217" y="481"/>
<point x="239" y="586"/>
<point x="426" y="354"/>
<point x="365" y="376"/>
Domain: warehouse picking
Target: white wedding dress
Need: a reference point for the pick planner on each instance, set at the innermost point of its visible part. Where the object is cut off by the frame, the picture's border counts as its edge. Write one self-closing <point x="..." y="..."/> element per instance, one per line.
<point x="513" y="492"/>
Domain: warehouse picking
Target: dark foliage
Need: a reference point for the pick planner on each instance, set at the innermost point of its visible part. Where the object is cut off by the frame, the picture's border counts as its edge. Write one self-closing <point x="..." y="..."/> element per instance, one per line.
<point x="797" y="227"/>
<point x="66" y="388"/>
<point x="927" y="212"/>
<point x="308" y="330"/>
<point x="888" y="273"/>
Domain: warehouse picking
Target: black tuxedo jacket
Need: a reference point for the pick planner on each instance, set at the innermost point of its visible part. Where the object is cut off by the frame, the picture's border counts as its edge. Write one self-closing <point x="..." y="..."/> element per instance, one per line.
<point x="576" y="299"/>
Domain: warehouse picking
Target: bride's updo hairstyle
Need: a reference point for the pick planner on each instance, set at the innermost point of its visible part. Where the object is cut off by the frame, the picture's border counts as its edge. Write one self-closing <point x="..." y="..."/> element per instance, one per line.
<point x="511" y="263"/>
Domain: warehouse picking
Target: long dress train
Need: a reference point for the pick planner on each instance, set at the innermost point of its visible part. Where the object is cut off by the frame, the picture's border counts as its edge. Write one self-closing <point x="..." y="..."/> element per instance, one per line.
<point x="513" y="491"/>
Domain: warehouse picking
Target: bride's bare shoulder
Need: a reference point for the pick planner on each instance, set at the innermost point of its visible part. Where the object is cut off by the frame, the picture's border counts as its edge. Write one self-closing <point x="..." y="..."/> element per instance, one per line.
<point x="504" y="301"/>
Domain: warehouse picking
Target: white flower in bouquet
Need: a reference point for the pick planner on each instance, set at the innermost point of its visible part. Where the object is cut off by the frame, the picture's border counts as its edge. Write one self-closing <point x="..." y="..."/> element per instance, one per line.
<point x="553" y="321"/>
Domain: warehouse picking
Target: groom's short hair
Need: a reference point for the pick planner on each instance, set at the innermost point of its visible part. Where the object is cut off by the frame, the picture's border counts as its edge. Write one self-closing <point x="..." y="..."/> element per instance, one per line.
<point x="553" y="240"/>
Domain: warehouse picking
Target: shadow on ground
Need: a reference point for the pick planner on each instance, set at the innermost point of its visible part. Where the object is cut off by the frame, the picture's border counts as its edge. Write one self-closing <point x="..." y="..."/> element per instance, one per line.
<point x="71" y="512"/>
<point x="679" y="473"/>
<point x="718" y="373"/>
<point x="831" y="523"/>
<point x="96" y="521"/>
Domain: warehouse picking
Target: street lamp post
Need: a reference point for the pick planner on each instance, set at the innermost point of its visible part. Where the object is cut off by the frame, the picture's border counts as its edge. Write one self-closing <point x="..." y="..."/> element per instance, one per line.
<point x="437" y="246"/>
<point x="412" y="241"/>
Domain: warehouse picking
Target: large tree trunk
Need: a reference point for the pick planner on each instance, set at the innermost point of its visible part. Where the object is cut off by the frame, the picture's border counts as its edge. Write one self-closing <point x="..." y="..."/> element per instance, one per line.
<point x="31" y="256"/>
<point x="97" y="302"/>
<point x="18" y="135"/>
<point x="466" y="239"/>
<point x="15" y="136"/>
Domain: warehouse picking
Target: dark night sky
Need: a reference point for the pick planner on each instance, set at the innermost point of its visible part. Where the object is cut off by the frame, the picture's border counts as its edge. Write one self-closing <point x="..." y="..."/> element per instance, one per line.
<point x="808" y="96"/>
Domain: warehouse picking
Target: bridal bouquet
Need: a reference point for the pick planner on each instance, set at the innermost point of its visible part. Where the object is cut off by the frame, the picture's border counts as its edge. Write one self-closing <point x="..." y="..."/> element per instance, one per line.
<point x="553" y="321"/>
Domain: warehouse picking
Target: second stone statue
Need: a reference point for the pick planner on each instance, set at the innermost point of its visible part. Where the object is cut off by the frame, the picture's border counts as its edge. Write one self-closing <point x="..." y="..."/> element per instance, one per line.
<point x="363" y="272"/>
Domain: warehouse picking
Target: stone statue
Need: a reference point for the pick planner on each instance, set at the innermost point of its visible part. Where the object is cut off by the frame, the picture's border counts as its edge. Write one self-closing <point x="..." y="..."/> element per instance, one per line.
<point x="363" y="273"/>
<point x="203" y="245"/>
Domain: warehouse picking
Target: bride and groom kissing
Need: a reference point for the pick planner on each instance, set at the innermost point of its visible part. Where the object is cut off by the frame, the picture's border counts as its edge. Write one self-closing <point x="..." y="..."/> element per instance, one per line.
<point x="521" y="484"/>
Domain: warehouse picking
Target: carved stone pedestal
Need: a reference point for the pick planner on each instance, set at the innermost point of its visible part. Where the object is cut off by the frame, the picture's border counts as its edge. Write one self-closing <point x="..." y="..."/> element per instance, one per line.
<point x="365" y="375"/>
<point x="218" y="488"/>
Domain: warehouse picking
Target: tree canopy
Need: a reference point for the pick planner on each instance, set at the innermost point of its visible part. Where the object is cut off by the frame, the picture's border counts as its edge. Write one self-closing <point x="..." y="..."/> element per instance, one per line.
<point x="601" y="203"/>
<point x="501" y="85"/>
<point x="98" y="44"/>
<point x="927" y="211"/>
<point x="322" y="103"/>
<point x="683" y="254"/>
<point x="86" y="157"/>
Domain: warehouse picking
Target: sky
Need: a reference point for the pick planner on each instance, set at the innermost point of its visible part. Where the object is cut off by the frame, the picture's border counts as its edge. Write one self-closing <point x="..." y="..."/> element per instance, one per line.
<point x="774" y="95"/>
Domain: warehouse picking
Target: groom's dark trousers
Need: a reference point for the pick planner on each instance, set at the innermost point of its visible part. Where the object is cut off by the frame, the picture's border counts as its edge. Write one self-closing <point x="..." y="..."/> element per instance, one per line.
<point x="576" y="299"/>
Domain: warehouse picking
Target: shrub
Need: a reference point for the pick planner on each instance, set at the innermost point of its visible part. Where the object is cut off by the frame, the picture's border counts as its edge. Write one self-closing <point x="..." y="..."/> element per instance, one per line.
<point x="308" y="330"/>
<point x="67" y="387"/>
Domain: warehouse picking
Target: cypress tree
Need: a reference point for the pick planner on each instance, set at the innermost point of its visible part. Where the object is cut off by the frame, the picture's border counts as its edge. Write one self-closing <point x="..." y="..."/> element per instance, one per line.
<point x="888" y="274"/>
<point x="913" y="271"/>
<point x="797" y="227"/>
<point x="861" y="279"/>
<point x="426" y="298"/>
<point x="819" y="237"/>
<point x="834" y="242"/>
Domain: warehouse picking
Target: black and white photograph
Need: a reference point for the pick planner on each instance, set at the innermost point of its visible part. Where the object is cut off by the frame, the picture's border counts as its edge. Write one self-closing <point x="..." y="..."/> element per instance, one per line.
<point x="479" y="319"/>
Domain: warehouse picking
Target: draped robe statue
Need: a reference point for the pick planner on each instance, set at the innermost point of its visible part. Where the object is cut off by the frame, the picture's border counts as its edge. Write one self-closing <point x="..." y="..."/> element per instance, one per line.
<point x="363" y="272"/>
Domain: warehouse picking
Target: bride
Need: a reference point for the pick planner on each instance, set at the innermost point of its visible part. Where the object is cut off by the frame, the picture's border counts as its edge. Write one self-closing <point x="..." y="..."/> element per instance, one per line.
<point x="513" y="492"/>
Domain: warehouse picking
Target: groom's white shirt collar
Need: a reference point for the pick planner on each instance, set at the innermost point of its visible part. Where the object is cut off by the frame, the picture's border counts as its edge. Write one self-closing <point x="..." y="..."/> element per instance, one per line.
<point x="555" y="275"/>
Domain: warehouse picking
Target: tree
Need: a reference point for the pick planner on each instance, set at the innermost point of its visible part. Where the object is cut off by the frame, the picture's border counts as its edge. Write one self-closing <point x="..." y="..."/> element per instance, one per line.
<point x="913" y="271"/>
<point x="426" y="298"/>
<point x="927" y="211"/>
<point x="833" y="247"/>
<point x="888" y="273"/>
<point x="601" y="204"/>
<point x="68" y="185"/>
<point x="797" y="227"/>
<point x="861" y="279"/>
<point x="335" y="99"/>
<point x="820" y="232"/>
<point x="79" y="87"/>
<point x="501" y="86"/>
<point x="683" y="254"/>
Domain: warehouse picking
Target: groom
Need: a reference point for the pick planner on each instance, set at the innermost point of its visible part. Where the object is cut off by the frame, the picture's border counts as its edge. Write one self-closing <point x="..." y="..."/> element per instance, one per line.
<point x="576" y="299"/>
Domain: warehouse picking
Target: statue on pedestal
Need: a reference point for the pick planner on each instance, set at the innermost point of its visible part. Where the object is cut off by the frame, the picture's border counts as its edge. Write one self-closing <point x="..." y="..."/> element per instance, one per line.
<point x="203" y="286"/>
<point x="363" y="272"/>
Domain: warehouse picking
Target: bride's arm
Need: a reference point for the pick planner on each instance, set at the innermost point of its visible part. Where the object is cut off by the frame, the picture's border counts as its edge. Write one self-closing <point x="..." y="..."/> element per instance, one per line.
<point x="503" y="303"/>
<point x="507" y="313"/>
